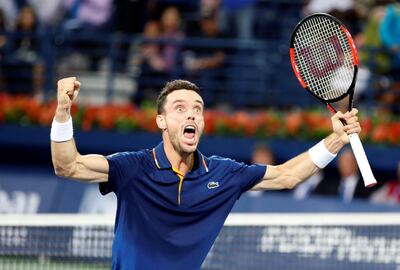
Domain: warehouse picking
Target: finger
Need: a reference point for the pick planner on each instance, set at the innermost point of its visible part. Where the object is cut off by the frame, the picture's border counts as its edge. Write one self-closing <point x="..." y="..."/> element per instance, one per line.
<point x="68" y="86"/>
<point x="76" y="92"/>
<point x="77" y="85"/>
<point x="352" y="120"/>
<point x="355" y="127"/>
<point x="354" y="111"/>
<point x="353" y="130"/>
<point x="338" y="115"/>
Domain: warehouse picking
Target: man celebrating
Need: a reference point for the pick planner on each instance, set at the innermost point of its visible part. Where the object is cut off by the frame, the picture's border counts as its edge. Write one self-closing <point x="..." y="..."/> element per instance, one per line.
<point x="172" y="200"/>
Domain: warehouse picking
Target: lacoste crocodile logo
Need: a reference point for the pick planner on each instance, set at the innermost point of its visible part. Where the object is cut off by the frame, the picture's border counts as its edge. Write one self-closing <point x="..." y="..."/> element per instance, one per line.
<point x="212" y="185"/>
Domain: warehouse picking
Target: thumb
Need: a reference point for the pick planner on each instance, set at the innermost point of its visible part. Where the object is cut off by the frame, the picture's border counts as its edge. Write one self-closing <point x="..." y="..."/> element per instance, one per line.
<point x="77" y="86"/>
<point x="338" y="116"/>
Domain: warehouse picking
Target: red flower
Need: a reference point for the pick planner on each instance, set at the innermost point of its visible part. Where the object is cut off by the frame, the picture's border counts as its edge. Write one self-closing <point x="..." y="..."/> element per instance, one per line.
<point x="381" y="128"/>
<point x="293" y="121"/>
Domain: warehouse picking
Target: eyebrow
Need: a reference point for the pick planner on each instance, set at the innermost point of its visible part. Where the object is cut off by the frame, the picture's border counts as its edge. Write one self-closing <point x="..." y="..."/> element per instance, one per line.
<point x="181" y="100"/>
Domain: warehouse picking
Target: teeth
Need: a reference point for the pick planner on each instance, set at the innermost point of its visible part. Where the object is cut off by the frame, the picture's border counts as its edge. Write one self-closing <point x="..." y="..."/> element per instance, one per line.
<point x="189" y="129"/>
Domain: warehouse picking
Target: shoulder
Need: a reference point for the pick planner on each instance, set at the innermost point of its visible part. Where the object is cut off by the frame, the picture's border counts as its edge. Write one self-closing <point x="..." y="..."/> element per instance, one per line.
<point x="223" y="162"/>
<point x="130" y="156"/>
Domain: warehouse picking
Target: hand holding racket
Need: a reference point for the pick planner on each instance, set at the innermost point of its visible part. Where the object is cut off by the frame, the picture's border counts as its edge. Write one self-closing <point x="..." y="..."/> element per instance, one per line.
<point x="325" y="61"/>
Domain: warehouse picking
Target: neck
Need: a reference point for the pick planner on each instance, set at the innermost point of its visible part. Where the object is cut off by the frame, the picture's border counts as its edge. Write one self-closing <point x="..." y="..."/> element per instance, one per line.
<point x="183" y="162"/>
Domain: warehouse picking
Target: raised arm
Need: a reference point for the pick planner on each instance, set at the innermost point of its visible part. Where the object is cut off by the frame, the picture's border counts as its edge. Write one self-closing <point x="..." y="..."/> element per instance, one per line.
<point x="301" y="167"/>
<point x="67" y="161"/>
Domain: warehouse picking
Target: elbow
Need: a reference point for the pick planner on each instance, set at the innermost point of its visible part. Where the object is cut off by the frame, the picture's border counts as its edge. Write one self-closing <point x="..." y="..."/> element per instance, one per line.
<point x="63" y="171"/>
<point x="59" y="171"/>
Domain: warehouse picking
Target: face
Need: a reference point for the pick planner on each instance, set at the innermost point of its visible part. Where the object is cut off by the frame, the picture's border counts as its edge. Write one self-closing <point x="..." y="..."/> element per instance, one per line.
<point x="27" y="18"/>
<point x="151" y="30"/>
<point x="182" y="121"/>
<point x="261" y="156"/>
<point x="170" y="20"/>
<point x="209" y="26"/>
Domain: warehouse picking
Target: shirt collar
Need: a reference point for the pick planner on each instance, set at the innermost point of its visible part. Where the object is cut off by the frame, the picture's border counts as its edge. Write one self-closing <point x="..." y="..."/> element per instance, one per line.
<point x="200" y="165"/>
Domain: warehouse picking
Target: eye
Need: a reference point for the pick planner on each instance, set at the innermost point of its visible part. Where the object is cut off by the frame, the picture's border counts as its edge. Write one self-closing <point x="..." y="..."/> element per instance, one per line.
<point x="198" y="109"/>
<point x="180" y="108"/>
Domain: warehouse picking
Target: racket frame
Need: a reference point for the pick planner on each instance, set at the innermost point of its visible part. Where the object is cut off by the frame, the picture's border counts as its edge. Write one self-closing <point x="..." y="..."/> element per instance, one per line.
<point x="355" y="142"/>
<point x="350" y="91"/>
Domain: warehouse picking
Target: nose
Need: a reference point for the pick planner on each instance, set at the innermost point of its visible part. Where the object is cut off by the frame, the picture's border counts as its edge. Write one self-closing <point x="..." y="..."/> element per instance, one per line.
<point x="190" y="115"/>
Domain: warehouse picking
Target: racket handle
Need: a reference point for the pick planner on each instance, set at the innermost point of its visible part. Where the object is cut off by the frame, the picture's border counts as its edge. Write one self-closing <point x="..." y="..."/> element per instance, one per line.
<point x="362" y="161"/>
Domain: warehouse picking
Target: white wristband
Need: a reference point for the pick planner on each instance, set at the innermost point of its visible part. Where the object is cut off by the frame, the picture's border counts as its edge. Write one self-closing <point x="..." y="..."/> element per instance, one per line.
<point x="320" y="155"/>
<point x="61" y="132"/>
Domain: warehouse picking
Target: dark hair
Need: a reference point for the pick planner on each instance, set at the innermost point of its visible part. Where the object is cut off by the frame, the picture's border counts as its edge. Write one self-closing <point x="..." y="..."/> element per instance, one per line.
<point x="171" y="87"/>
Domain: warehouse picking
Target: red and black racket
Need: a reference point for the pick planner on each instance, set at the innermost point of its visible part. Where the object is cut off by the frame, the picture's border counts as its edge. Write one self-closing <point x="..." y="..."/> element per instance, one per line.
<point x="325" y="61"/>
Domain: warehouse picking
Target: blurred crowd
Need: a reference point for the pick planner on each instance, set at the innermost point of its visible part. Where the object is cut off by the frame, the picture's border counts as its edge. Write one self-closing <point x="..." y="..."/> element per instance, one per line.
<point x="163" y="24"/>
<point x="344" y="182"/>
<point x="374" y="24"/>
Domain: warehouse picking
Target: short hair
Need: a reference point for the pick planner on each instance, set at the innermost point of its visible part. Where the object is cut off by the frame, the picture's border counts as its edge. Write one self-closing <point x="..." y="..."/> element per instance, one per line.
<point x="171" y="87"/>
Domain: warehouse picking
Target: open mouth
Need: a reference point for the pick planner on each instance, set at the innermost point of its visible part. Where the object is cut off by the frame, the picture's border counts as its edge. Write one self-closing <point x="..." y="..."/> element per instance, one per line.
<point x="189" y="131"/>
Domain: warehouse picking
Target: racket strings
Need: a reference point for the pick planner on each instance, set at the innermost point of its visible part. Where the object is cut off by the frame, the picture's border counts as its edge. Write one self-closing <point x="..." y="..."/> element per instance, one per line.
<point x="324" y="57"/>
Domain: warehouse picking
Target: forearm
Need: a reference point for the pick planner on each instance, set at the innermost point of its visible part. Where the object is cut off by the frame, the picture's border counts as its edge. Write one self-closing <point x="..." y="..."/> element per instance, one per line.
<point x="303" y="166"/>
<point x="64" y="156"/>
<point x="297" y="169"/>
<point x="332" y="143"/>
<point x="67" y="161"/>
<point x="64" y="152"/>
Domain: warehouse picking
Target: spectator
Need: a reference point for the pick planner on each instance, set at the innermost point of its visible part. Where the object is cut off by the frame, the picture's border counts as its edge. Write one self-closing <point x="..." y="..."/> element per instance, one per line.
<point x="156" y="61"/>
<point x="370" y="44"/>
<point x="261" y="154"/>
<point x="201" y="62"/>
<point x="87" y="14"/>
<point x="149" y="51"/>
<point x="148" y="59"/>
<point x="389" y="193"/>
<point x="389" y="30"/>
<point x="350" y="185"/>
<point x="85" y="25"/>
<point x="171" y="32"/>
<point x="206" y="58"/>
<point x="347" y="184"/>
<point x="23" y="64"/>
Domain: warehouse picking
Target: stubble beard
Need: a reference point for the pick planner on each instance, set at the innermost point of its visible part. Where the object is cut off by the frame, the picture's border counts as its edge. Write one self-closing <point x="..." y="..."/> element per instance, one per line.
<point x="177" y="145"/>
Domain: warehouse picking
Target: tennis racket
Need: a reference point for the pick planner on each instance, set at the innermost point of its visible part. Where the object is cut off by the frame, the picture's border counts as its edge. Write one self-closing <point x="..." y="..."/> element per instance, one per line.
<point x="325" y="61"/>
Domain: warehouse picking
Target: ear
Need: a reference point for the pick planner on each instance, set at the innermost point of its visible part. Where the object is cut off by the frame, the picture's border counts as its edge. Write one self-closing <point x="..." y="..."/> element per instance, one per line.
<point x="160" y="119"/>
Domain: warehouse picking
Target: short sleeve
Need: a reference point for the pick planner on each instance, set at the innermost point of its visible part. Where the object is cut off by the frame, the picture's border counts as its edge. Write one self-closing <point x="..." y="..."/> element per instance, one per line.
<point x="122" y="167"/>
<point x="249" y="175"/>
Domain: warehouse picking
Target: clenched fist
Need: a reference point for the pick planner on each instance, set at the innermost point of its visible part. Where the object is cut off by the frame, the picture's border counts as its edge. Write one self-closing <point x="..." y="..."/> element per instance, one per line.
<point x="67" y="91"/>
<point x="351" y="124"/>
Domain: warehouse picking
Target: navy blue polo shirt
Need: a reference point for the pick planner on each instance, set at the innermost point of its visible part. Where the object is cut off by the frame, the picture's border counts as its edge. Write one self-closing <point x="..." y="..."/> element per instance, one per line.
<point x="168" y="221"/>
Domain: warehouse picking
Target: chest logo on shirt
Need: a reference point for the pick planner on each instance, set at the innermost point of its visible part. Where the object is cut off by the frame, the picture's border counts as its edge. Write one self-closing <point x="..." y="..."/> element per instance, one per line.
<point x="212" y="185"/>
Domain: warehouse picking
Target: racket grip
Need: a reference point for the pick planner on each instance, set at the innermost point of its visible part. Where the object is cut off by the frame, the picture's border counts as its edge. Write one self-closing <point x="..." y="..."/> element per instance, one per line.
<point x="362" y="161"/>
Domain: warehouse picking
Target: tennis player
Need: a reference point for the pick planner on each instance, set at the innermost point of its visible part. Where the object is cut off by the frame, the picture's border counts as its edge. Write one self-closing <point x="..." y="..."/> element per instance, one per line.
<point x="172" y="200"/>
